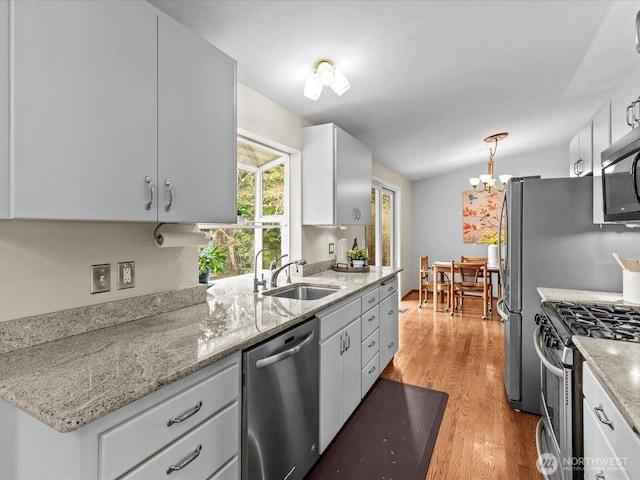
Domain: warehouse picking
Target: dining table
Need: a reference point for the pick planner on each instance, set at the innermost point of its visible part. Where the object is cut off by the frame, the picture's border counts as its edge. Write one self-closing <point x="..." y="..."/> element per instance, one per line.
<point x="439" y="268"/>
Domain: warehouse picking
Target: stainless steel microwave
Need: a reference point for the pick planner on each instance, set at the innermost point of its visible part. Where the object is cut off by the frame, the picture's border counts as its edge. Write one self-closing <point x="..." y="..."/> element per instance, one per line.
<point x="620" y="188"/>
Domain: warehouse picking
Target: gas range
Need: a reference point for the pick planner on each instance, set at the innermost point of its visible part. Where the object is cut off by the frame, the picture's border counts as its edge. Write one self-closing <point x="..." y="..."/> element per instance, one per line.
<point x="610" y="321"/>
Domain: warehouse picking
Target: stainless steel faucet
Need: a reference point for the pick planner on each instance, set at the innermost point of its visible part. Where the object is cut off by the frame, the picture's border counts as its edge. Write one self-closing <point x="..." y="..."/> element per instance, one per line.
<point x="263" y="283"/>
<point x="275" y="273"/>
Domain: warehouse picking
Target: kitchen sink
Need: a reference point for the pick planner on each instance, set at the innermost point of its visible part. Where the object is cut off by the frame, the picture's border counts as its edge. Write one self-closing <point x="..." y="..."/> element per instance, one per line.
<point x="303" y="291"/>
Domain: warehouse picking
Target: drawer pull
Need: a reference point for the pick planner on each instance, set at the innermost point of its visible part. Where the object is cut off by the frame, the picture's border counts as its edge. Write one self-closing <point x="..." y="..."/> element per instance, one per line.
<point x="185" y="415"/>
<point x="185" y="461"/>
<point x="372" y="344"/>
<point x="390" y="288"/>
<point x="371" y="300"/>
<point x="391" y="312"/>
<point x="391" y="344"/>
<point x="147" y="206"/>
<point x="600" y="476"/>
<point x="372" y="318"/>
<point x="373" y="369"/>
<point x="603" y="416"/>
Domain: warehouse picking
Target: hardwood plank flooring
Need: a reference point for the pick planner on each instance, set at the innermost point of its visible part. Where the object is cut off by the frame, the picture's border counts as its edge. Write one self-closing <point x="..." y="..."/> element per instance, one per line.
<point x="481" y="436"/>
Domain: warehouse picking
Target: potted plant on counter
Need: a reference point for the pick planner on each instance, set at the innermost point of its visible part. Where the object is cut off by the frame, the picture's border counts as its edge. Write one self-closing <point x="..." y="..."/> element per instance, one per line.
<point x="211" y="259"/>
<point x="357" y="256"/>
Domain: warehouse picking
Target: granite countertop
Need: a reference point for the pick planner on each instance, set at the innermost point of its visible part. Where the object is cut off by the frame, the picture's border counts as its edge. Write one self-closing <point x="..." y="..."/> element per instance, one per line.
<point x="70" y="382"/>
<point x="617" y="366"/>
<point x="579" y="296"/>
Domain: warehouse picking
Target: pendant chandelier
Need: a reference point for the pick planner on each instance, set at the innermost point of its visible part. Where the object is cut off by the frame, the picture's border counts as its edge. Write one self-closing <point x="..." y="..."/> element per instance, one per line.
<point x="487" y="180"/>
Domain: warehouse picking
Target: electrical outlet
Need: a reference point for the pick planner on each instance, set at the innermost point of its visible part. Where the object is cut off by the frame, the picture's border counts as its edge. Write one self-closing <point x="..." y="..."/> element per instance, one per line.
<point x="100" y="278"/>
<point x="126" y="275"/>
<point x="331" y="248"/>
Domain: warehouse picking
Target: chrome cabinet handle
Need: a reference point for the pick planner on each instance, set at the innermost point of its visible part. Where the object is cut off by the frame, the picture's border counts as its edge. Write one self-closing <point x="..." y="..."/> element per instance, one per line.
<point x="185" y="415"/>
<point x="391" y="312"/>
<point x="373" y="342"/>
<point x="147" y="206"/>
<point x="600" y="476"/>
<point x="373" y="369"/>
<point x="630" y="109"/>
<point x="371" y="300"/>
<point x="355" y="213"/>
<point x="342" y="344"/>
<point x="348" y="340"/>
<point x="372" y="318"/>
<point x="185" y="461"/>
<point x="391" y="345"/>
<point x="636" y="108"/>
<point x="603" y="416"/>
<point x="167" y="183"/>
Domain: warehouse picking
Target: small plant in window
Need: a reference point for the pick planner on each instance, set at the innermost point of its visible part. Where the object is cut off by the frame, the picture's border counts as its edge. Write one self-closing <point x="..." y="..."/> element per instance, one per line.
<point x="243" y="210"/>
<point x="211" y="259"/>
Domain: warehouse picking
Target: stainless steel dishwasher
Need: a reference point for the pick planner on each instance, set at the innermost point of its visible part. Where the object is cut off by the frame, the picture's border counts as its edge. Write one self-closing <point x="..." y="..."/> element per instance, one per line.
<point x="280" y="422"/>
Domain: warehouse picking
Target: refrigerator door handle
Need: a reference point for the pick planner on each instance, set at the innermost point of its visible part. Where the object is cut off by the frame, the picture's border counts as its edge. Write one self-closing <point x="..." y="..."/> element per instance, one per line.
<point x="504" y="315"/>
<point x="502" y="265"/>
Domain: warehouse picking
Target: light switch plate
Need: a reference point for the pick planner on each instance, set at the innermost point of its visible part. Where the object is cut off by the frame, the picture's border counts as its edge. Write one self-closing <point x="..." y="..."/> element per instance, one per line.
<point x="126" y="275"/>
<point x="330" y="248"/>
<point x="100" y="278"/>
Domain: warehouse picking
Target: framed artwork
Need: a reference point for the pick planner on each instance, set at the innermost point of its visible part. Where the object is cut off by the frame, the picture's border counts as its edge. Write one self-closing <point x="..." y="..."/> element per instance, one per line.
<point x="480" y="212"/>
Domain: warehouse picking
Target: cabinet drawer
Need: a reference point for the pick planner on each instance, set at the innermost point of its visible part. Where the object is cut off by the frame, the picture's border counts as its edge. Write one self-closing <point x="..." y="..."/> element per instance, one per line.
<point x="388" y="287"/>
<point x="337" y="319"/>
<point x="130" y="442"/>
<point x="370" y="374"/>
<point x="370" y="298"/>
<point x="231" y="471"/>
<point x="370" y="321"/>
<point x="624" y="441"/>
<point x="370" y="347"/>
<point x="216" y="440"/>
<point x="600" y="461"/>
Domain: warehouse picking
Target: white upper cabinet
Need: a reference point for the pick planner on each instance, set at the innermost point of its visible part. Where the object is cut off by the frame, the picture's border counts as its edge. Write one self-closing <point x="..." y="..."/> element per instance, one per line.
<point x="601" y="140"/>
<point x="84" y="117"/>
<point x="4" y="110"/>
<point x="622" y="121"/>
<point x="119" y="114"/>
<point x="336" y="178"/>
<point x="196" y="128"/>
<point x="581" y="152"/>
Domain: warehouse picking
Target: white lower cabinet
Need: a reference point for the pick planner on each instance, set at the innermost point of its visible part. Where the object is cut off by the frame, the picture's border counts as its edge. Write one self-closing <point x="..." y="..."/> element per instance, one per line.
<point x="194" y="422"/>
<point x="340" y="360"/>
<point x="388" y="328"/>
<point x="610" y="445"/>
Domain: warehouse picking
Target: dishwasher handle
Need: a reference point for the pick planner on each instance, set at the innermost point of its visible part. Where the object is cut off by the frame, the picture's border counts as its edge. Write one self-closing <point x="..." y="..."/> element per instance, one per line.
<point x="265" y="362"/>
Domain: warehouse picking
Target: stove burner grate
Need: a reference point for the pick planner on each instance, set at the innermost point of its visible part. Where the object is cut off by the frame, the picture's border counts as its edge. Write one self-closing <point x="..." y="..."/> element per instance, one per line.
<point x="615" y="322"/>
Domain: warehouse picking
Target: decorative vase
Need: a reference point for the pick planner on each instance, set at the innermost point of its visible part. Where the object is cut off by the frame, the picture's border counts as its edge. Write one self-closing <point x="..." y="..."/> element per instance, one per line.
<point x="492" y="255"/>
<point x="241" y="220"/>
<point x="357" y="263"/>
<point x="204" y="278"/>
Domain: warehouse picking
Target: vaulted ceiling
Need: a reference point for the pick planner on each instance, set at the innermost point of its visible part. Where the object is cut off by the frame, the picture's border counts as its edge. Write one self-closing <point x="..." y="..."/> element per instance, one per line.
<point x="431" y="79"/>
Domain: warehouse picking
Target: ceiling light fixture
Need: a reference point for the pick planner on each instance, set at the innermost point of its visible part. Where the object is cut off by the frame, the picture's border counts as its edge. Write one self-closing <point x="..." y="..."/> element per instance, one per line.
<point x="488" y="180"/>
<point x="325" y="74"/>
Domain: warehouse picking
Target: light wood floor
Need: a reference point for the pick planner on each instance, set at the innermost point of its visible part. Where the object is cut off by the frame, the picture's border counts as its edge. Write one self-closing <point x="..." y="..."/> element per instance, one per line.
<point x="481" y="436"/>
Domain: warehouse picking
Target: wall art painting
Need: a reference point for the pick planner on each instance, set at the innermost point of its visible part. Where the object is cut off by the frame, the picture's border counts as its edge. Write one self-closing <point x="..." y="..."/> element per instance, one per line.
<point x="480" y="212"/>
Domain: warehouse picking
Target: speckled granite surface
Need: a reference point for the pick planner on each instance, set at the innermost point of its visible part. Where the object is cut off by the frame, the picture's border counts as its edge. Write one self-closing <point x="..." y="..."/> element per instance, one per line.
<point x="617" y="366"/>
<point x="579" y="296"/>
<point x="72" y="381"/>
<point x="26" y="332"/>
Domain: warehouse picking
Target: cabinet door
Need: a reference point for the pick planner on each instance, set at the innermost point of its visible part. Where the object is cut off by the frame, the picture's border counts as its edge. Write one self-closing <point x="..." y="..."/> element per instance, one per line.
<point x="352" y="368"/>
<point x="4" y="110"/>
<point x="331" y="410"/>
<point x="352" y="181"/>
<point x="586" y="149"/>
<point x="84" y="110"/>
<point x="196" y="128"/>
<point x="574" y="154"/>
<point x="388" y="329"/>
<point x="601" y="140"/>
<point x="598" y="452"/>
<point x="622" y="98"/>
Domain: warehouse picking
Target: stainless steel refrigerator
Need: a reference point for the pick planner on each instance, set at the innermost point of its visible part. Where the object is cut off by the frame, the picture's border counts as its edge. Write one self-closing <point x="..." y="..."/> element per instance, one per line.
<point x="550" y="241"/>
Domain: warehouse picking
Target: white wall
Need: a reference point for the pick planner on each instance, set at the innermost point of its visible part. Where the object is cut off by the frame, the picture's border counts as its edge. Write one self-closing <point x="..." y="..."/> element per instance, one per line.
<point x="437" y="204"/>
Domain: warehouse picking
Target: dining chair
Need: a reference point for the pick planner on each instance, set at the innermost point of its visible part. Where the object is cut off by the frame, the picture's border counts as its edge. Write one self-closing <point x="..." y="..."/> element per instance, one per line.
<point x="426" y="283"/>
<point x="470" y="284"/>
<point x="485" y="274"/>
